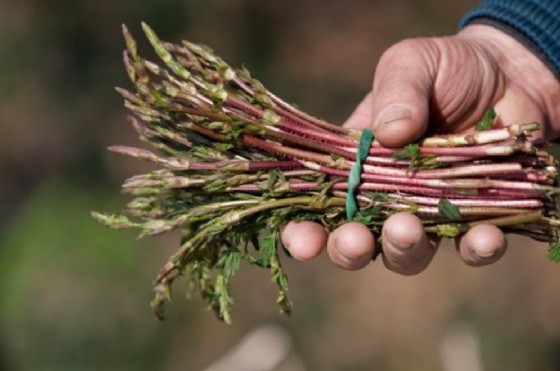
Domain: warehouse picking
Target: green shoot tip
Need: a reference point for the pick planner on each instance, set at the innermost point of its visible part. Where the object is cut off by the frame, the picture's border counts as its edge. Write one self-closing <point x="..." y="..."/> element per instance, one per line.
<point x="554" y="252"/>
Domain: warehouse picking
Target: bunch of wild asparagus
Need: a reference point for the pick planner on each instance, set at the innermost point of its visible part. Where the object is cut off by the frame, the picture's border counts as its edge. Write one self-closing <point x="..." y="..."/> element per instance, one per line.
<point x="236" y="163"/>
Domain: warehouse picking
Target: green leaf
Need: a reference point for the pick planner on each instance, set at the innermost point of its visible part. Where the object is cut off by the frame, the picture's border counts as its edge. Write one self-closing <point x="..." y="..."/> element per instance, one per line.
<point x="223" y="147"/>
<point x="413" y="207"/>
<point x="487" y="120"/>
<point x="223" y="298"/>
<point x="267" y="248"/>
<point x="449" y="210"/>
<point x="411" y="152"/>
<point x="275" y="176"/>
<point x="450" y="230"/>
<point x="368" y="216"/>
<point x="376" y="196"/>
<point x="272" y="178"/>
<point x="554" y="252"/>
<point x="268" y="253"/>
<point x="229" y="262"/>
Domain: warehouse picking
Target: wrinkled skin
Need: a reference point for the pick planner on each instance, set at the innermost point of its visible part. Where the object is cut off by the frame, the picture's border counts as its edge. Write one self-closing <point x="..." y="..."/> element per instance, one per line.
<point x="436" y="85"/>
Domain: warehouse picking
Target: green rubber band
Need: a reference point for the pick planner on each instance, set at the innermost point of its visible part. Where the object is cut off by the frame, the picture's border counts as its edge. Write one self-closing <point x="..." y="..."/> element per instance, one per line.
<point x="355" y="175"/>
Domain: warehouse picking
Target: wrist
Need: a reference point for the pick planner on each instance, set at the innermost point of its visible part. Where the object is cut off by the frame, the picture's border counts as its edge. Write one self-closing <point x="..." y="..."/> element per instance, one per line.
<point x="521" y="67"/>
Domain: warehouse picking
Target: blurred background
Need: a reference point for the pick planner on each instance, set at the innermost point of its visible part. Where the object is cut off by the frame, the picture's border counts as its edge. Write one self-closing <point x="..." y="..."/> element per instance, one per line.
<point x="75" y="296"/>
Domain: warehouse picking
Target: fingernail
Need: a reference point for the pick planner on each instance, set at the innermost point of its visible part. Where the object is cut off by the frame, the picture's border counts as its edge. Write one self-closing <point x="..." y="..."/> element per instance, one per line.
<point x="485" y="252"/>
<point x="392" y="114"/>
<point x="400" y="246"/>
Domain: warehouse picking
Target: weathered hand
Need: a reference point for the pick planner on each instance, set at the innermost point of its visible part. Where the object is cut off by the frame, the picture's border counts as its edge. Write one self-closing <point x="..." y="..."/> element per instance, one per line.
<point x="437" y="85"/>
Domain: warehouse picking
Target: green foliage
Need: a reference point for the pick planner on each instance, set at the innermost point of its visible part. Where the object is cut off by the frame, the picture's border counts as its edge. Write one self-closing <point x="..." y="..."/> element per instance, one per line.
<point x="451" y="230"/>
<point x="487" y="120"/>
<point x="554" y="251"/>
<point x="275" y="177"/>
<point x="376" y="196"/>
<point x="370" y="217"/>
<point x="449" y="210"/>
<point x="429" y="162"/>
<point x="221" y="289"/>
<point x="269" y="250"/>
<point x="229" y="262"/>
<point x="411" y="152"/>
<point x="267" y="247"/>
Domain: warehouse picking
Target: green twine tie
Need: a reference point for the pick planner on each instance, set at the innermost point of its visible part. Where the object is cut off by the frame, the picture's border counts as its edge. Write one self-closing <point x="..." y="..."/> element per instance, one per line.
<point x="355" y="173"/>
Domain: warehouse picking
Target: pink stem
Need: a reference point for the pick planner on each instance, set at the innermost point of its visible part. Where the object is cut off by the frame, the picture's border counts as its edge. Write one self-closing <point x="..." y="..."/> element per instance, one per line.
<point x="456" y="184"/>
<point x="452" y="172"/>
<point x="529" y="203"/>
<point x="320" y="123"/>
<point x="305" y="132"/>
<point x="503" y="149"/>
<point x="281" y="110"/>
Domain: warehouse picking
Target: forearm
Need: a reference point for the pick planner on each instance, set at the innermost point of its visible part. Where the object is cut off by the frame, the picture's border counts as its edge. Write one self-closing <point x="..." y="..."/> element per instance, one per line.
<point x="535" y="23"/>
<point x="529" y="46"/>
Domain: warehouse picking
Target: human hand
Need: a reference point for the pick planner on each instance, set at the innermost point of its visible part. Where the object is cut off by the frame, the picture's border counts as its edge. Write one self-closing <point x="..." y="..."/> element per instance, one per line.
<point x="436" y="85"/>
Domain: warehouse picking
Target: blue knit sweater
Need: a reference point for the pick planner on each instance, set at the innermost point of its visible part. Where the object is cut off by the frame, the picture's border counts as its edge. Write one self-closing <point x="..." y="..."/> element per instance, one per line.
<point x="535" y="23"/>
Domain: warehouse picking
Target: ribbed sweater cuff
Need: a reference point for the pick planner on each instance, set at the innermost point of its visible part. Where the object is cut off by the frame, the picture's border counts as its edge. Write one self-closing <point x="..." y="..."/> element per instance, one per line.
<point x="536" y="24"/>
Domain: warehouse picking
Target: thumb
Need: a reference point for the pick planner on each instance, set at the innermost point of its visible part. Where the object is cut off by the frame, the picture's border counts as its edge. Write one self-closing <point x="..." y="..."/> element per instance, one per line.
<point x="401" y="92"/>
